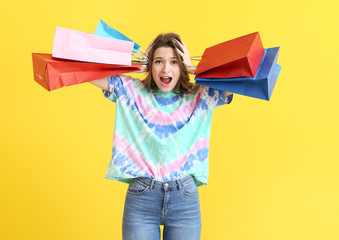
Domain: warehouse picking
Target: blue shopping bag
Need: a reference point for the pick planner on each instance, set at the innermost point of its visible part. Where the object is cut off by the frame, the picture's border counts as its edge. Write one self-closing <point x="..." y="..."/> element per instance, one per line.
<point x="261" y="86"/>
<point x="104" y="30"/>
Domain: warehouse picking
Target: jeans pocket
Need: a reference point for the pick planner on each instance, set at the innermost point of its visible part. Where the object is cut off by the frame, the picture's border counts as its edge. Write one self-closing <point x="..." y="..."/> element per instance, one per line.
<point x="137" y="188"/>
<point x="190" y="189"/>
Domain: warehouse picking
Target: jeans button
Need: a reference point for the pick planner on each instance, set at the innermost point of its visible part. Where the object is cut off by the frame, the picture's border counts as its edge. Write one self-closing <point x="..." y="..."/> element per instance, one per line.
<point x="165" y="185"/>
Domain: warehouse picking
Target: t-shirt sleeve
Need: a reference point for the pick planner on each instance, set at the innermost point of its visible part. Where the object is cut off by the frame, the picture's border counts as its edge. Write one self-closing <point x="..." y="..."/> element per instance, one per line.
<point x="114" y="83"/>
<point x="217" y="97"/>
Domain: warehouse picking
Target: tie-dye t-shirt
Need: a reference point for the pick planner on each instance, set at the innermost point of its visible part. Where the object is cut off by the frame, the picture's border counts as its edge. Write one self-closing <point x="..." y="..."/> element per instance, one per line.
<point x="162" y="136"/>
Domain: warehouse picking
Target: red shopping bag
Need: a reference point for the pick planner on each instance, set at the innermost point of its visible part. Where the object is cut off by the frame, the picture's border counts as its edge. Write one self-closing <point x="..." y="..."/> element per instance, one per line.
<point x="53" y="73"/>
<point x="239" y="57"/>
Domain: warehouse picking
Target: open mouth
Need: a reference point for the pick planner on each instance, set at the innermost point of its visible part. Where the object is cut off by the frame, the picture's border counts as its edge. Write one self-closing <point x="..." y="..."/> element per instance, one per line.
<point x="165" y="81"/>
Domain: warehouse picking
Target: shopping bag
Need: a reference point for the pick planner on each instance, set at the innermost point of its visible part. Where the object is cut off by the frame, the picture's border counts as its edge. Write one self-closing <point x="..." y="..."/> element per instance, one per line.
<point x="239" y="57"/>
<point x="261" y="86"/>
<point x="107" y="31"/>
<point x="82" y="46"/>
<point x="53" y="73"/>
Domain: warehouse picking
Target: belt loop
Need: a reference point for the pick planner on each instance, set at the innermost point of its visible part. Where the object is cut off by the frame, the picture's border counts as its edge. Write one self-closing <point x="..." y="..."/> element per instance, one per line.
<point x="152" y="183"/>
<point x="179" y="185"/>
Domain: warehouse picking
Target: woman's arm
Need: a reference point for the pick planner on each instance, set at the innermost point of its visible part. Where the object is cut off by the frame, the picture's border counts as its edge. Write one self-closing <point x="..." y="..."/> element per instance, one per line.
<point x="101" y="83"/>
<point x="228" y="97"/>
<point x="227" y="94"/>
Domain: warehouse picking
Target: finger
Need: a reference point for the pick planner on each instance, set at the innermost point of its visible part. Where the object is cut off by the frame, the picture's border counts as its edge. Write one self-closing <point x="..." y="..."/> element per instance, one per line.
<point x="181" y="54"/>
<point x="184" y="46"/>
<point x="151" y="43"/>
<point x="181" y="46"/>
<point x="149" y="46"/>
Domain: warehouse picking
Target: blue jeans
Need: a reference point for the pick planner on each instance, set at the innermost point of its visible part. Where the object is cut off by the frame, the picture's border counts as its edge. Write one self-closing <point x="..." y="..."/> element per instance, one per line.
<point x="150" y="203"/>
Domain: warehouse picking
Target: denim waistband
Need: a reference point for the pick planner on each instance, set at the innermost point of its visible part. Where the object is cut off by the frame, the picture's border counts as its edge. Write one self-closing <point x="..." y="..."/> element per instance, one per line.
<point x="170" y="184"/>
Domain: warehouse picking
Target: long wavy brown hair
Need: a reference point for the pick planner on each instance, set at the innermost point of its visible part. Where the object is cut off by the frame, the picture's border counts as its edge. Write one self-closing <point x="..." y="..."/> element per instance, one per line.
<point x="183" y="84"/>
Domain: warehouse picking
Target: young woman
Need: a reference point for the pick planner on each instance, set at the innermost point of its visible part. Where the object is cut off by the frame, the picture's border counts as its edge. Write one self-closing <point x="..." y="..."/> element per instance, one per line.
<point x="161" y="142"/>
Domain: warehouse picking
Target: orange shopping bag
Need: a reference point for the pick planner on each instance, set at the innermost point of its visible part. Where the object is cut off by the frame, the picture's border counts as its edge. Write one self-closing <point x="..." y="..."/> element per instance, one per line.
<point x="239" y="57"/>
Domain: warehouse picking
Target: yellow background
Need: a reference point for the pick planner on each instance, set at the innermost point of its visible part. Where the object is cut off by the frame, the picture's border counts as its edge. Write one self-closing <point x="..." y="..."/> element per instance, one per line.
<point x="274" y="169"/>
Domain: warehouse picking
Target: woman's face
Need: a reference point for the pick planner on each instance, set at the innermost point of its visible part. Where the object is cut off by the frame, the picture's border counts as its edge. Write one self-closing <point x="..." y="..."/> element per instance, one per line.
<point x="165" y="68"/>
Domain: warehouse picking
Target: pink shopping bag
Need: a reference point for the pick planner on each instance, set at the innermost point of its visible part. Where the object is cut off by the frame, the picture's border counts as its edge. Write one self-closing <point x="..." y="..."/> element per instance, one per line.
<point x="82" y="46"/>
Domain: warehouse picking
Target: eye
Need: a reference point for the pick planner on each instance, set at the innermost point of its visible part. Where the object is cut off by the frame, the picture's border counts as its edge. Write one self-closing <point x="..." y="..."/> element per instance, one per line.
<point x="174" y="62"/>
<point x="157" y="62"/>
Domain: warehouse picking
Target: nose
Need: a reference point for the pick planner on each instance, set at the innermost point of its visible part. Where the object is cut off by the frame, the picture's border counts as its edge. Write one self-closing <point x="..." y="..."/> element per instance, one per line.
<point x="166" y="67"/>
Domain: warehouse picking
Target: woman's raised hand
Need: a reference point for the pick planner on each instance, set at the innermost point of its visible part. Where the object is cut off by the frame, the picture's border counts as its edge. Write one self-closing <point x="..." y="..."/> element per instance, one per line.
<point x="186" y="58"/>
<point x="149" y="48"/>
<point x="146" y="57"/>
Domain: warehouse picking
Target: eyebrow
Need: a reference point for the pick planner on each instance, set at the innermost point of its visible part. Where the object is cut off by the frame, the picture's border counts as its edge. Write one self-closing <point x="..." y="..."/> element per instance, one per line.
<point x="162" y="58"/>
